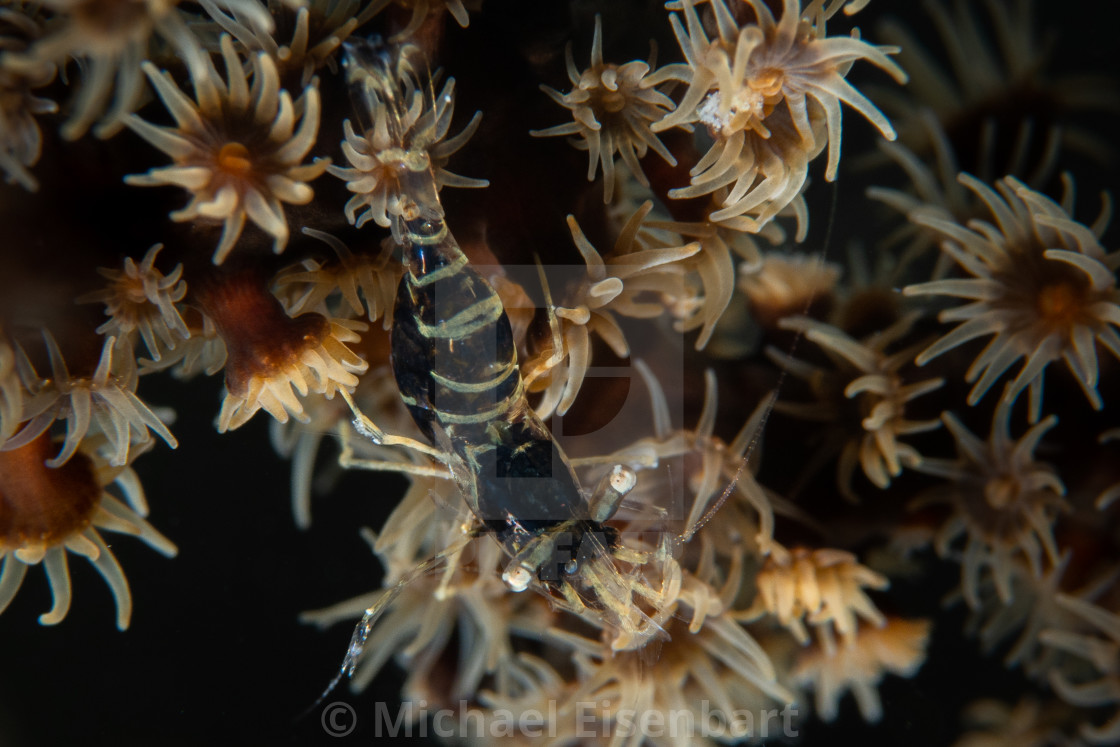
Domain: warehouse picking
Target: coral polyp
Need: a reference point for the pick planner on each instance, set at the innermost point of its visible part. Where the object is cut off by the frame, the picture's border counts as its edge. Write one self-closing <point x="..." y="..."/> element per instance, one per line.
<point x="271" y="357"/>
<point x="875" y="416"/>
<point x="377" y="159"/>
<point x="770" y="93"/>
<point x="46" y="512"/>
<point x="1002" y="501"/>
<point x="104" y="400"/>
<point x="821" y="587"/>
<point x="141" y="301"/>
<point x="632" y="281"/>
<point x="20" y="137"/>
<point x="1042" y="285"/>
<point x="613" y="107"/>
<point x="897" y="647"/>
<point x="1101" y="649"/>
<point x="237" y="148"/>
<point x="112" y="38"/>
<point x="307" y="36"/>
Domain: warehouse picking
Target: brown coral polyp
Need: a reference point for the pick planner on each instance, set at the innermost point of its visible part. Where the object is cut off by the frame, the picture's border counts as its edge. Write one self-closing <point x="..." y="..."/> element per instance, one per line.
<point x="261" y="340"/>
<point x="40" y="505"/>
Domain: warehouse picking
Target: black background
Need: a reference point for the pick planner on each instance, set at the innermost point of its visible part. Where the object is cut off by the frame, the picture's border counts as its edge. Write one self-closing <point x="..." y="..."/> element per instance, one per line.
<point x="215" y="653"/>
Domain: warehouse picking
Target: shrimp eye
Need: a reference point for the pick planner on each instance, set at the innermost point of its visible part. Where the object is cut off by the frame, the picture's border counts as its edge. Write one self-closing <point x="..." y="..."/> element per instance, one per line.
<point x="517" y="579"/>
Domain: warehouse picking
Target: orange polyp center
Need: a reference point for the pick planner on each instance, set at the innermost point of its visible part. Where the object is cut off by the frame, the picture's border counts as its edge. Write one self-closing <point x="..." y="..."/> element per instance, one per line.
<point x="128" y="289"/>
<point x="233" y="158"/>
<point x="611" y="102"/>
<point x="1059" y="303"/>
<point x="614" y="102"/>
<point x="40" y="505"/>
<point x="768" y="82"/>
<point x="1001" y="492"/>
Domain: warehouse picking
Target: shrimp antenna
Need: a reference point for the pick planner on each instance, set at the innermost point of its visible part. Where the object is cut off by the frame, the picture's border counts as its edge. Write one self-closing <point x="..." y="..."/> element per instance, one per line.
<point x="756" y="437"/>
<point x="374" y="612"/>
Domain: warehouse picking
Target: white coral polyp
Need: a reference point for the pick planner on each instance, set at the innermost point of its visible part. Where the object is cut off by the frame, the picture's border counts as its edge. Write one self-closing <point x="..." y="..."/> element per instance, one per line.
<point x="105" y="401"/>
<point x="381" y="153"/>
<point x="770" y="94"/>
<point x="140" y="300"/>
<point x="1041" y="286"/>
<point x="613" y="107"/>
<point x="237" y="148"/>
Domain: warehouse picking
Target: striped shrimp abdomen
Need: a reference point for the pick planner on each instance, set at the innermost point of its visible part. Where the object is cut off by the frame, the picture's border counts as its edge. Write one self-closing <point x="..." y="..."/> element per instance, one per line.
<point x="452" y="345"/>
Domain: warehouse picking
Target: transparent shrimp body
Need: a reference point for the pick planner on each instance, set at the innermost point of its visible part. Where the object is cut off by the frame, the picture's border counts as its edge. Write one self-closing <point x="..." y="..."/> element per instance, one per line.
<point x="456" y="367"/>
